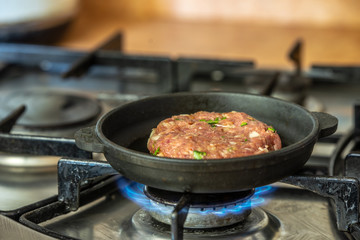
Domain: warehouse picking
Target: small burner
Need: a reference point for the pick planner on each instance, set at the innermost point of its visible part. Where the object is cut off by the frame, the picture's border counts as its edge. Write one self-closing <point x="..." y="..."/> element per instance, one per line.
<point x="49" y="112"/>
<point x="47" y="108"/>
<point x="206" y="210"/>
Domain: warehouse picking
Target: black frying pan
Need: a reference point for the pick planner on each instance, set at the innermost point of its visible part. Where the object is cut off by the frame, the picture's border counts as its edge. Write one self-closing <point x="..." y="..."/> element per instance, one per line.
<point x="122" y="135"/>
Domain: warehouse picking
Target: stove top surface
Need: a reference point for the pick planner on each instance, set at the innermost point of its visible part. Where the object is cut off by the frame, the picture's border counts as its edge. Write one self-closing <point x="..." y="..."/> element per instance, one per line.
<point x="288" y="212"/>
<point x="26" y="179"/>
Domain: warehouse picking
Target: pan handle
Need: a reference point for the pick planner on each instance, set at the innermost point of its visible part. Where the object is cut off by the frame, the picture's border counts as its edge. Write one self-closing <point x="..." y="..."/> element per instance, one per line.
<point x="327" y="123"/>
<point x="86" y="139"/>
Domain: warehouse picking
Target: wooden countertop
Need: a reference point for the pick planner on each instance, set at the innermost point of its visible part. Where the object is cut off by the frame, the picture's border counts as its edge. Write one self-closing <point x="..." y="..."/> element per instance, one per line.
<point x="267" y="45"/>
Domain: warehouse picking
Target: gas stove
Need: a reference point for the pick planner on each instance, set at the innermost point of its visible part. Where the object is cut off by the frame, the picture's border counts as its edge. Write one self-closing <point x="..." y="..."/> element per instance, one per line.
<point x="52" y="189"/>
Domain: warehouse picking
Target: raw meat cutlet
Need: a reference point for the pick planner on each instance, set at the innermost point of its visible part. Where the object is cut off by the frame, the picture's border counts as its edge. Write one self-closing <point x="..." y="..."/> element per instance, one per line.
<point x="211" y="135"/>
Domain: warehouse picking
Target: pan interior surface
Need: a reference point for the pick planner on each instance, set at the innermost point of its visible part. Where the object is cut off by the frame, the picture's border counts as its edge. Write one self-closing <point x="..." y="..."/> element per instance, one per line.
<point x="129" y="126"/>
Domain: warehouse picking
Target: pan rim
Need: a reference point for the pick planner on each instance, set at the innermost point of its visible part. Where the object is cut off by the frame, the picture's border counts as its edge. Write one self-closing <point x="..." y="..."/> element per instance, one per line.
<point x="147" y="158"/>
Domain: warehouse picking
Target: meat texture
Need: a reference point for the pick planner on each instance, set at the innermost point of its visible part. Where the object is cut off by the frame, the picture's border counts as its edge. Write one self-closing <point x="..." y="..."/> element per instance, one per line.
<point x="211" y="135"/>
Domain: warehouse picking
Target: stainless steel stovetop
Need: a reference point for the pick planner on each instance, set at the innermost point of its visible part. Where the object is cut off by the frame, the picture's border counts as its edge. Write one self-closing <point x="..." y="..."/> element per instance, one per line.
<point x="29" y="205"/>
<point x="287" y="214"/>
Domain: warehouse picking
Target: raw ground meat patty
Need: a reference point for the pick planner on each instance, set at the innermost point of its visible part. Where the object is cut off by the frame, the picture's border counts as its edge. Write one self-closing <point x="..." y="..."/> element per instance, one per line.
<point x="211" y="135"/>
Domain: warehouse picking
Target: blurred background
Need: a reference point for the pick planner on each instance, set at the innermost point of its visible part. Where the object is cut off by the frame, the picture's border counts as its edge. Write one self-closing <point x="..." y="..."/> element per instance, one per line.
<point x="260" y="30"/>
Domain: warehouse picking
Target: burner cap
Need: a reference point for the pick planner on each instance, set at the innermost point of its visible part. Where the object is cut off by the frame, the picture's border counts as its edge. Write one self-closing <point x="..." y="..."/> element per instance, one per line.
<point x="50" y="108"/>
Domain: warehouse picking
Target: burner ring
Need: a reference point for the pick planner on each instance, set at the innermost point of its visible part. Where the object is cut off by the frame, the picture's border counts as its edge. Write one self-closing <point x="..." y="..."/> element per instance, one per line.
<point x="259" y="225"/>
<point x="206" y="210"/>
<point x="50" y="108"/>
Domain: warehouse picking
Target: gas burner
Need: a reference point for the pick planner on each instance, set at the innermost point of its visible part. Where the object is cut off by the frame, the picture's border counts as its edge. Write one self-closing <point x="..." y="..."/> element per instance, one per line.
<point x="50" y="113"/>
<point x="206" y="210"/>
<point x="258" y="225"/>
<point x="49" y="109"/>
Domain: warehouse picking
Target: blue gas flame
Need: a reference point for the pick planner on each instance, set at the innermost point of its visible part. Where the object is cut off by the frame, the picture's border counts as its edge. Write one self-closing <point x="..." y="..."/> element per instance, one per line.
<point x="135" y="192"/>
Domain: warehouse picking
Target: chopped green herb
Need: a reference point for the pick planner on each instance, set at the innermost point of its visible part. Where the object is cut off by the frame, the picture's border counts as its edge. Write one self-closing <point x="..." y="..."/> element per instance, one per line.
<point x="211" y="122"/>
<point x="245" y="140"/>
<point x="243" y="124"/>
<point x="177" y="119"/>
<point x="222" y="137"/>
<point x="199" y="155"/>
<point x="271" y="129"/>
<point x="156" y="151"/>
<point x="223" y="118"/>
<point x="230" y="149"/>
